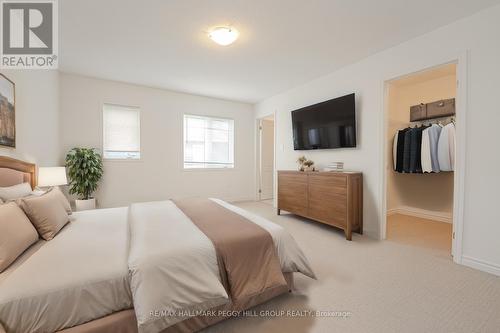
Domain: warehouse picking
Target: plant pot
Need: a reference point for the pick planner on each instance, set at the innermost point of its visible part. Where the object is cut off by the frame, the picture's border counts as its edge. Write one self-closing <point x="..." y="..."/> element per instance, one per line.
<point x="85" y="204"/>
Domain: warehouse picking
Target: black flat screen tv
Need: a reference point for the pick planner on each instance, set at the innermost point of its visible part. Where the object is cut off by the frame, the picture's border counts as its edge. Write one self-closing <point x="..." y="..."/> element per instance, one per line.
<point x="326" y="125"/>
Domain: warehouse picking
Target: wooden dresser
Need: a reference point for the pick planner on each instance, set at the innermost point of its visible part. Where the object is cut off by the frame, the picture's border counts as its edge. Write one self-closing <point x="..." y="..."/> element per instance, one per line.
<point x="334" y="198"/>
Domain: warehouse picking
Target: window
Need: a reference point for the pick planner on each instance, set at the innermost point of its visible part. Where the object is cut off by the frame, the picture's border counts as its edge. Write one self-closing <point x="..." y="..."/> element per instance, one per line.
<point x="121" y="132"/>
<point x="208" y="142"/>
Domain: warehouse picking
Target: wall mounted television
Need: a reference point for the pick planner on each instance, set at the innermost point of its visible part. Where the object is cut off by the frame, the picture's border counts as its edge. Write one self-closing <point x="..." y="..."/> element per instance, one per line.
<point x="326" y="125"/>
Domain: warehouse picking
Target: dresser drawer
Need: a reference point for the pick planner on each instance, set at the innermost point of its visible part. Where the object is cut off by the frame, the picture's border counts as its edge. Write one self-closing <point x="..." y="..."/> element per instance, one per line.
<point x="327" y="206"/>
<point x="323" y="183"/>
<point x="292" y="193"/>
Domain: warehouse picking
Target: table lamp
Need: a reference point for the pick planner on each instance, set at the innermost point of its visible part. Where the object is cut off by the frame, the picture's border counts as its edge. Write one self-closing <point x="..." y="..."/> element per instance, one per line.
<point x="52" y="176"/>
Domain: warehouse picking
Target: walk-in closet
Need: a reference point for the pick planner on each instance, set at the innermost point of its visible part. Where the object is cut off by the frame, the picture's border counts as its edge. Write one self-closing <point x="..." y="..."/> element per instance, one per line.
<point x="421" y="158"/>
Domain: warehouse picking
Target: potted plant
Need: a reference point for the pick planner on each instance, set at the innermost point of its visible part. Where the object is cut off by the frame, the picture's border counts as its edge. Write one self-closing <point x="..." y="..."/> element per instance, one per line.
<point x="84" y="167"/>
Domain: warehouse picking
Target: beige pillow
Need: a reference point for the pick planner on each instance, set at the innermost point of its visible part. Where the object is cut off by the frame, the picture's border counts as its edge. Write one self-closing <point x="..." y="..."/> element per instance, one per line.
<point x="62" y="198"/>
<point x="46" y="212"/>
<point x="1" y="201"/>
<point x="16" y="234"/>
<point x="39" y="192"/>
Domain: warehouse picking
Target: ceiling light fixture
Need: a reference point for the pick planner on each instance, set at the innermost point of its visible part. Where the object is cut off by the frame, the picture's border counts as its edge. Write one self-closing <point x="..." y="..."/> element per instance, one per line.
<point x="223" y="35"/>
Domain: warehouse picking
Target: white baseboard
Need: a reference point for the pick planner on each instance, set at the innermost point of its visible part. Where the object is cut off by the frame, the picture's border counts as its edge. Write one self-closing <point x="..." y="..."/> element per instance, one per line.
<point x="481" y="265"/>
<point x="238" y="199"/>
<point x="422" y="213"/>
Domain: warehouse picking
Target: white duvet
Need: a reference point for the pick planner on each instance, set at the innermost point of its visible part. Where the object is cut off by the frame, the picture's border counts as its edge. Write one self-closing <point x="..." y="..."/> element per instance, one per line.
<point x="173" y="265"/>
<point x="78" y="276"/>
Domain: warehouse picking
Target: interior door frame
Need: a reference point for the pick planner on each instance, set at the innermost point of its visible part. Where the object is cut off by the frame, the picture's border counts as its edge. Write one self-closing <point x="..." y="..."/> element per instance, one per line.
<point x="461" y="62"/>
<point x="259" y="156"/>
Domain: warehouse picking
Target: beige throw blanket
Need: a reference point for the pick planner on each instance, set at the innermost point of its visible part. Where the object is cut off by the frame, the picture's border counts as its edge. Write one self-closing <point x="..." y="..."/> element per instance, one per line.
<point x="246" y="254"/>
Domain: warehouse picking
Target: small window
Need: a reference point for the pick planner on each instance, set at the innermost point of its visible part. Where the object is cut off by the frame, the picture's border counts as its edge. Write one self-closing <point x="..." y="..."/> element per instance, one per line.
<point x="208" y="142"/>
<point x="121" y="132"/>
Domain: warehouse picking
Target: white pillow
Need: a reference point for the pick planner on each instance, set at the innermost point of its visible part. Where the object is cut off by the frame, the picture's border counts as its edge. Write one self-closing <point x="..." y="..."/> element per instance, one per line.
<point x="15" y="192"/>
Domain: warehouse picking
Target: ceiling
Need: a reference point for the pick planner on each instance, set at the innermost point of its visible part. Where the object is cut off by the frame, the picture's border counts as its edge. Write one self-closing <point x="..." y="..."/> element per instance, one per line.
<point x="282" y="44"/>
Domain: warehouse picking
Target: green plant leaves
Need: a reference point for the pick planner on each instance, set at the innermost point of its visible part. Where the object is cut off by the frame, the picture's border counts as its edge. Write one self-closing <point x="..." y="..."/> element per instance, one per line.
<point x="85" y="170"/>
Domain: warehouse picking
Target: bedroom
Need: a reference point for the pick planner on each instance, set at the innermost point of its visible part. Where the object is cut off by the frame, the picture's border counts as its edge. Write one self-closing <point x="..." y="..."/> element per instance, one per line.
<point x="157" y="62"/>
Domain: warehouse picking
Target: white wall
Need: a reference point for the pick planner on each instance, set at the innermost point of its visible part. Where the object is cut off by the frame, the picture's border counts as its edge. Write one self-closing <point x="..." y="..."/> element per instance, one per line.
<point x="159" y="174"/>
<point x="478" y="35"/>
<point x="37" y="116"/>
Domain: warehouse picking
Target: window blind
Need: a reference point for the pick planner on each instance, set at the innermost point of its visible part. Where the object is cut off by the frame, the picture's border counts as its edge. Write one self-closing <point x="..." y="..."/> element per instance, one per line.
<point x="121" y="127"/>
<point x="208" y="142"/>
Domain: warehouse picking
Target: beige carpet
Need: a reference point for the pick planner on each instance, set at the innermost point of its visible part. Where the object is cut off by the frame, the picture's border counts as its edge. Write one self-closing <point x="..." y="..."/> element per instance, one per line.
<point x="386" y="286"/>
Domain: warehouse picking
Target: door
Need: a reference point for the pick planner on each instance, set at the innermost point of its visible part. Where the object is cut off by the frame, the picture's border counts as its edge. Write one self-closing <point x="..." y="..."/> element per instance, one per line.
<point x="266" y="158"/>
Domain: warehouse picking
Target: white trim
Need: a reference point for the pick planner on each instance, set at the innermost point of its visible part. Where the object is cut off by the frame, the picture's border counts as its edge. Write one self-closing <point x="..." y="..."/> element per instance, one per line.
<point x="481" y="265"/>
<point x="275" y="178"/>
<point x="261" y="128"/>
<point x="422" y="213"/>
<point x="459" y="175"/>
<point x="384" y="88"/>
<point x="460" y="156"/>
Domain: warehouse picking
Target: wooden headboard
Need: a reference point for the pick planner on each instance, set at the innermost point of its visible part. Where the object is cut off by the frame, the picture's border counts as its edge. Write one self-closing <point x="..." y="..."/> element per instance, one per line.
<point x="14" y="171"/>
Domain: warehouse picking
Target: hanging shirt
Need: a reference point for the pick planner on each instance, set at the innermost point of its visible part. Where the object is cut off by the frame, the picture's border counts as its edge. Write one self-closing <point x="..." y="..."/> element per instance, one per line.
<point x="406" y="150"/>
<point x="434" y="131"/>
<point x="416" y="150"/>
<point x="414" y="143"/>
<point x="399" y="153"/>
<point x="446" y="148"/>
<point x="395" y="151"/>
<point x="426" y="151"/>
<point x="401" y="147"/>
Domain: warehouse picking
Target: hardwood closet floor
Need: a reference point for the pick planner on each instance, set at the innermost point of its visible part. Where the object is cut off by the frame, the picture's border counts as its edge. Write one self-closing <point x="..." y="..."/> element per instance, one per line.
<point x="419" y="232"/>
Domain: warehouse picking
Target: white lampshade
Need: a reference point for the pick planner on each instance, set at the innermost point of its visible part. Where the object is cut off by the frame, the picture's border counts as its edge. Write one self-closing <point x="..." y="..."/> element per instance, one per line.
<point x="52" y="176"/>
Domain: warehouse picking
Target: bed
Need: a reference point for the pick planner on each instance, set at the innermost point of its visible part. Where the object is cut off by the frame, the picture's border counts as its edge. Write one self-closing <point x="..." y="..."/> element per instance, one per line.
<point x="127" y="270"/>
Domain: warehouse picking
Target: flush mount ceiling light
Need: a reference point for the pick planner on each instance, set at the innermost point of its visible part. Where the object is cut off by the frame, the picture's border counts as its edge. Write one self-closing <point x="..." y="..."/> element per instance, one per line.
<point x="223" y="35"/>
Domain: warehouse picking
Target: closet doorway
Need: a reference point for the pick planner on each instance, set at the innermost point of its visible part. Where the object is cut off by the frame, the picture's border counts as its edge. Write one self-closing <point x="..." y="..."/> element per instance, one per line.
<point x="266" y="159"/>
<point x="419" y="193"/>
